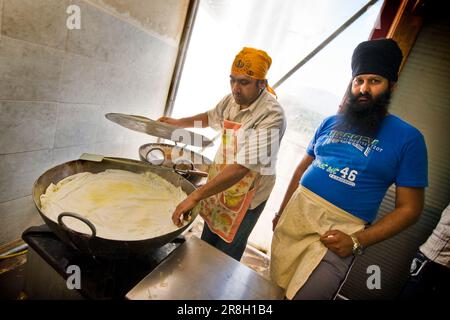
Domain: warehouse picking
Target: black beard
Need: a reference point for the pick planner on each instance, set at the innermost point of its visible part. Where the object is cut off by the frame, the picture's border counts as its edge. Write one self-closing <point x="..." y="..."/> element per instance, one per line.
<point x="365" y="117"/>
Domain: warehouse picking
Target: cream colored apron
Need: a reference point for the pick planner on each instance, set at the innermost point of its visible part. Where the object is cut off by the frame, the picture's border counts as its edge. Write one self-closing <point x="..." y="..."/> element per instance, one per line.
<point x="296" y="249"/>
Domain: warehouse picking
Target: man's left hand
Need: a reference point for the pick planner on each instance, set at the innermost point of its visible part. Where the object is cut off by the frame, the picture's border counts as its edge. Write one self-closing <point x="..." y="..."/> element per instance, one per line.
<point x="338" y="242"/>
<point x="182" y="209"/>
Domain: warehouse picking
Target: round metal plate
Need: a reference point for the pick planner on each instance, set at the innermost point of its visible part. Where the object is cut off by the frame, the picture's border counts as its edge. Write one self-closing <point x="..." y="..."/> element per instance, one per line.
<point x="159" y="129"/>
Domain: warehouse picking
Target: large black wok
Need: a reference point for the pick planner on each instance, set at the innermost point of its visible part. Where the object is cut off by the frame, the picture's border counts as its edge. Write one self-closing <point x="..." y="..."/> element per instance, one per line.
<point x="90" y="243"/>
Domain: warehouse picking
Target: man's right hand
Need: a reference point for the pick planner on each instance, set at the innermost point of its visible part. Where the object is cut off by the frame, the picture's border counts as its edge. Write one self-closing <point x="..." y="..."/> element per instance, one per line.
<point x="171" y="121"/>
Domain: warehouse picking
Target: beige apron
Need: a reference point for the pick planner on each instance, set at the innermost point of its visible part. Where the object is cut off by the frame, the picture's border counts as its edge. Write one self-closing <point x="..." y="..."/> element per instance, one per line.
<point x="296" y="249"/>
<point x="224" y="212"/>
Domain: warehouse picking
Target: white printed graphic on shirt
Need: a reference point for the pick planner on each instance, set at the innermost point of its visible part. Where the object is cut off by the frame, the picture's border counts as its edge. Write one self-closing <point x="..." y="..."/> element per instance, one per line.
<point x="348" y="174"/>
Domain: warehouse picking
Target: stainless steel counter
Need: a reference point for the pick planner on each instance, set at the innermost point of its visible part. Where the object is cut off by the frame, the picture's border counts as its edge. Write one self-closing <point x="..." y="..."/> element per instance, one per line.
<point x="196" y="270"/>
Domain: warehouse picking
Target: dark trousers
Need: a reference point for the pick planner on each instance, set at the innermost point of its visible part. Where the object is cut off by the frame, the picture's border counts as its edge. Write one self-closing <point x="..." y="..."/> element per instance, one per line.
<point x="236" y="248"/>
<point x="427" y="280"/>
<point x="327" y="279"/>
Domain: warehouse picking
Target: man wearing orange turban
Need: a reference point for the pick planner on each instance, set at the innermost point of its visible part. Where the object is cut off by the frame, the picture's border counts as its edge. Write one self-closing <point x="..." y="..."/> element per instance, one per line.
<point x="242" y="176"/>
<point x="253" y="63"/>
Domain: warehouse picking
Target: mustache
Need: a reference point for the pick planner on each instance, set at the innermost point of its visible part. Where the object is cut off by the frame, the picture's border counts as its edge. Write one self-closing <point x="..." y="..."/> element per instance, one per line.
<point x="365" y="117"/>
<point x="361" y="95"/>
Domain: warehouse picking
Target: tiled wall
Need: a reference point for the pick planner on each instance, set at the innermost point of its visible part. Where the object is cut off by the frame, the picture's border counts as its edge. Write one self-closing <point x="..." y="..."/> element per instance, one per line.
<point x="56" y="85"/>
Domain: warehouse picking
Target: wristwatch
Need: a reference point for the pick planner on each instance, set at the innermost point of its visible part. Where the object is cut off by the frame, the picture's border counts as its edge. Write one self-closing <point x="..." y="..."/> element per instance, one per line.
<point x="357" y="249"/>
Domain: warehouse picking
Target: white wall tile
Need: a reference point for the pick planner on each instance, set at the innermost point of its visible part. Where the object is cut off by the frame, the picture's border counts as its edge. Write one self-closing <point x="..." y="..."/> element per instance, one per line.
<point x="28" y="71"/>
<point x="83" y="80"/>
<point x="76" y="124"/>
<point x="19" y="171"/>
<point x="26" y="126"/>
<point x="42" y="22"/>
<point x="95" y="38"/>
<point x="162" y="17"/>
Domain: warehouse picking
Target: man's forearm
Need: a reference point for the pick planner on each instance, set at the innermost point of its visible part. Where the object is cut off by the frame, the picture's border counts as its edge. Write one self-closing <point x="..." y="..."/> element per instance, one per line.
<point x="228" y="177"/>
<point x="409" y="206"/>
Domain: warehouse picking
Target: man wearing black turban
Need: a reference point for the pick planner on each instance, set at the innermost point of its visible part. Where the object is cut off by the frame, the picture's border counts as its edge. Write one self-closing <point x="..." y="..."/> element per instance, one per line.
<point x="375" y="64"/>
<point x="327" y="215"/>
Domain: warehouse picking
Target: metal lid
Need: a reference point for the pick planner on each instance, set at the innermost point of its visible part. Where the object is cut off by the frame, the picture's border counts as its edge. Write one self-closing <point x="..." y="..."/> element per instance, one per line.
<point x="159" y="129"/>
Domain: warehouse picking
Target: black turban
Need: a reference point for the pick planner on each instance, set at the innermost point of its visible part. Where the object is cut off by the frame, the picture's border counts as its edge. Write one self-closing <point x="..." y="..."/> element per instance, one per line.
<point x="382" y="57"/>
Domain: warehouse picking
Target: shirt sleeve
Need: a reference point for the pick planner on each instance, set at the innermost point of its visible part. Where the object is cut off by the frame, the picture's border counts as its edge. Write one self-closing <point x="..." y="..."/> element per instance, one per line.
<point x="216" y="115"/>
<point x="413" y="167"/>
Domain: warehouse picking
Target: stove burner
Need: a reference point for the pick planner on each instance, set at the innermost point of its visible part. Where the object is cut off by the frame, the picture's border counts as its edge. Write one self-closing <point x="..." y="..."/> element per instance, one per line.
<point x="101" y="278"/>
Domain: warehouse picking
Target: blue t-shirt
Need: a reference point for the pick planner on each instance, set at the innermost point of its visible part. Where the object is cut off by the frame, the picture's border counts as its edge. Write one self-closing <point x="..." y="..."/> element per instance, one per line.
<point x="354" y="172"/>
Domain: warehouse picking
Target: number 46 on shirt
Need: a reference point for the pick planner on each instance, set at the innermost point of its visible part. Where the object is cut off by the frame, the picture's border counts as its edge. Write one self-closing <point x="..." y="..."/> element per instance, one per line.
<point x="345" y="174"/>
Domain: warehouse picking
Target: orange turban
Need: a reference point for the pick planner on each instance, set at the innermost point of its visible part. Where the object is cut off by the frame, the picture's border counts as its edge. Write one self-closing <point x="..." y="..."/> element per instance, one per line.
<point x="253" y="63"/>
